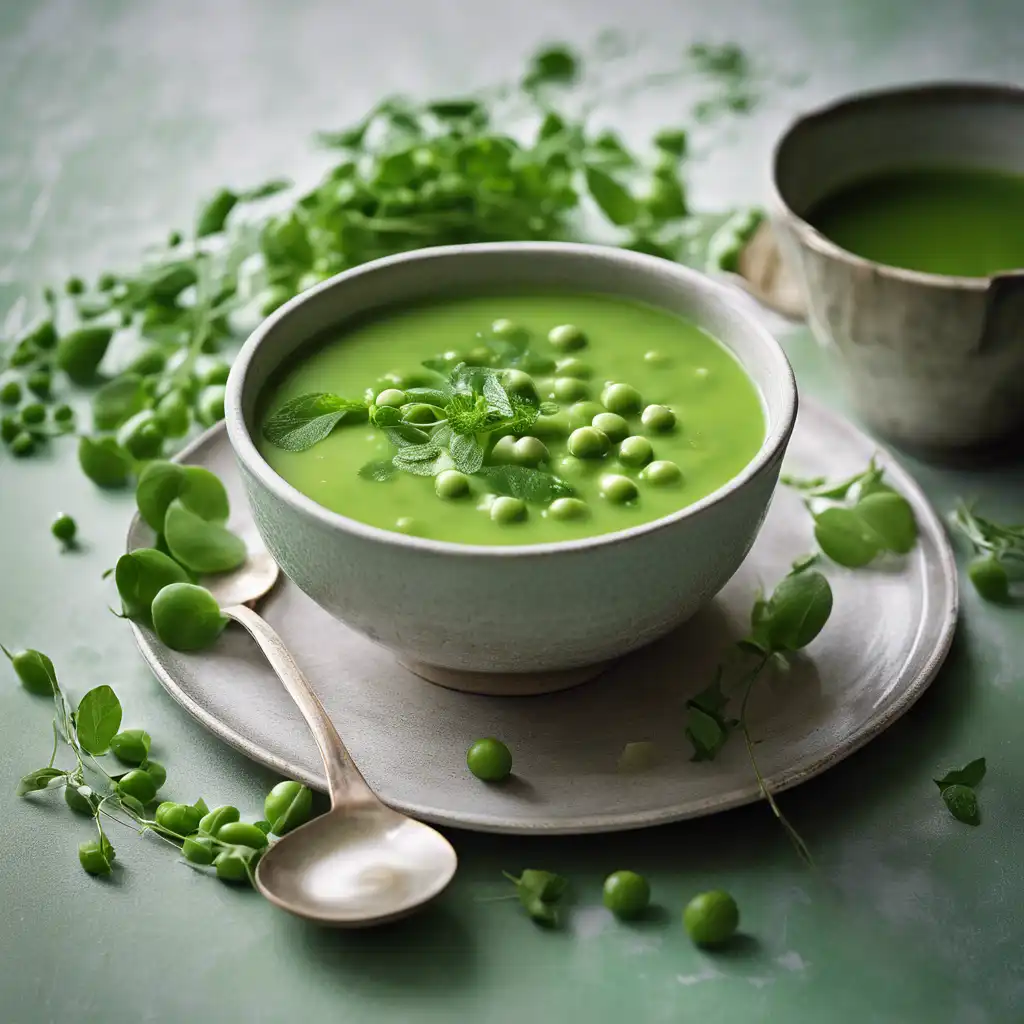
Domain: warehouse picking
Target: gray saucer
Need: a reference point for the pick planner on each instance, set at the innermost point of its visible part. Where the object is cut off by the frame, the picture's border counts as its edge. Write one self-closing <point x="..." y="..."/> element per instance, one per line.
<point x="888" y="635"/>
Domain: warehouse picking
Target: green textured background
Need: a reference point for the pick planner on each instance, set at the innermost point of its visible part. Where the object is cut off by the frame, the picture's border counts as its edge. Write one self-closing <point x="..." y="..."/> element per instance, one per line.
<point x="115" y="118"/>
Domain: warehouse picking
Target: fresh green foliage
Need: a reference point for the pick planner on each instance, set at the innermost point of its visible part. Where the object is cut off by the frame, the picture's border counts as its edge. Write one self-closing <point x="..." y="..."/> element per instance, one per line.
<point x="957" y="788"/>
<point x="859" y="518"/>
<point x="140" y="575"/>
<point x="539" y="892"/>
<point x="104" y="462"/>
<point x="308" y="419"/>
<point x="199" y="545"/>
<point x="98" y="719"/>
<point x="999" y="553"/>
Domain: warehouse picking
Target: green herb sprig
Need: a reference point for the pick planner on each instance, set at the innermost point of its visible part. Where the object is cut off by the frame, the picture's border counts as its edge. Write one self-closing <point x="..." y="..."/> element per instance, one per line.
<point x="999" y="553"/>
<point x="858" y="519"/>
<point x="781" y="624"/>
<point x="957" y="788"/>
<point x="539" y="892"/>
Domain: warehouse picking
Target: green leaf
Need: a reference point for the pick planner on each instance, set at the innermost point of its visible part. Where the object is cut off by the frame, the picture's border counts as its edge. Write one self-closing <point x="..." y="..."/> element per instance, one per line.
<point x="798" y="610"/>
<point x="497" y="397"/>
<point x="117" y="401"/>
<point x="104" y="461"/>
<point x="705" y="732"/>
<point x="268" y="188"/>
<point x="98" y="719"/>
<point x="305" y="421"/>
<point x="214" y="214"/>
<point x="379" y="470"/>
<point x="423" y="467"/>
<point x="962" y="803"/>
<point x="199" y="545"/>
<point x="892" y="519"/>
<point x="544" y="884"/>
<point x="970" y="775"/>
<point x="140" y="575"/>
<point x="671" y="140"/>
<point x="455" y="110"/>
<point x="532" y="485"/>
<point x="410" y="439"/>
<point x="383" y="416"/>
<point x="466" y="452"/>
<point x="804" y="562"/>
<point x="845" y="537"/>
<point x="199" y="489"/>
<point x="615" y="201"/>
<point x="552" y="65"/>
<point x="39" y="779"/>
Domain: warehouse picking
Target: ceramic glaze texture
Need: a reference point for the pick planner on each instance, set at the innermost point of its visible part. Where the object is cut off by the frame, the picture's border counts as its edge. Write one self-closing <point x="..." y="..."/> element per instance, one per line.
<point x="933" y="362"/>
<point x="526" y="609"/>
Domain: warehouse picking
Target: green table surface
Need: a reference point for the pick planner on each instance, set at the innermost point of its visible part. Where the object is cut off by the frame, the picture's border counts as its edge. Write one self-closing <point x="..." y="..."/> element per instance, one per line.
<point x="116" y="117"/>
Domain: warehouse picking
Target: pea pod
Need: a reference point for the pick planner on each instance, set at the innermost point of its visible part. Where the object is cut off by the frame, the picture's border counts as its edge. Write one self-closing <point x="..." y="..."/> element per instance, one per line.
<point x="179" y="819"/>
<point x="213" y="821"/>
<point x="96" y="857"/>
<point x="241" y="833"/>
<point x="288" y="805"/>
<point x="34" y="669"/>
<point x="156" y="771"/>
<point x="137" y="784"/>
<point x="236" y="863"/>
<point x="80" y="353"/>
<point x="131" y="746"/>
<point x="104" y="462"/>
<point x="199" y="850"/>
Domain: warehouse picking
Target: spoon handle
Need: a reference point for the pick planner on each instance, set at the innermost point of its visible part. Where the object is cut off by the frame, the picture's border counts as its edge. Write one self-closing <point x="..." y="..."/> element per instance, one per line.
<point x="347" y="786"/>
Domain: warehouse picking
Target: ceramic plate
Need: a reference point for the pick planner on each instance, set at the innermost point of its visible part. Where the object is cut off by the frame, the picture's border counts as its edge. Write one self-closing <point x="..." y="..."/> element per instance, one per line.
<point x="889" y="633"/>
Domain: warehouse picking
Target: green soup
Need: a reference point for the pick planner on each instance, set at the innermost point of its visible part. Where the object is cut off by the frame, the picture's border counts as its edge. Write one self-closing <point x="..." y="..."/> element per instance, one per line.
<point x="959" y="222"/>
<point x="706" y="426"/>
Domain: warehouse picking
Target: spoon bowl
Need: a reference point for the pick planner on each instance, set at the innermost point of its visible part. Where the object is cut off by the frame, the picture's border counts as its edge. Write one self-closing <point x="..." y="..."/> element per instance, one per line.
<point x="356" y="867"/>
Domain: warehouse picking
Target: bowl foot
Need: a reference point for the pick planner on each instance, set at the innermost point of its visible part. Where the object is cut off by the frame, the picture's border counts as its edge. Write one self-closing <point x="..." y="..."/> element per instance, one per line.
<point x="504" y="684"/>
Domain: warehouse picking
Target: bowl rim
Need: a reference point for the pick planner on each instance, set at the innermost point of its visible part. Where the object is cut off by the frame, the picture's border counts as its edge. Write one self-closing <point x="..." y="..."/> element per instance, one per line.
<point x="978" y="91"/>
<point x="775" y="440"/>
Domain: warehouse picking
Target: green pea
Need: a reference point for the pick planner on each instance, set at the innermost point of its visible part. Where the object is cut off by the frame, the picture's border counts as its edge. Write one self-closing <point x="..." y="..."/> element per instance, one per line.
<point x="626" y="894"/>
<point x="571" y="467"/>
<point x="662" y="473"/>
<point x="570" y="389"/>
<point x="406" y="524"/>
<point x="23" y="444"/>
<point x="216" y="373"/>
<point x="392" y="397"/>
<point x="34" y="669"/>
<point x="212" y="823"/>
<point x="288" y="805"/>
<point x="64" y="529"/>
<point x="40" y="382"/>
<point x="622" y="398"/>
<point x="508" y="510"/>
<point x="555" y="425"/>
<point x="522" y="384"/>
<point x="711" y="918"/>
<point x="138" y="784"/>
<point x="131" y="746"/>
<point x="567" y="338"/>
<point x="582" y="414"/>
<point x="79" y="803"/>
<point x="10" y="392"/>
<point x="199" y="850"/>
<point x="33" y="414"/>
<point x="104" y="461"/>
<point x="568" y="508"/>
<point x="10" y="428"/>
<point x="588" y="443"/>
<point x="504" y="450"/>
<point x="480" y="356"/>
<point x="489" y="760"/>
<point x="506" y="329"/>
<point x="74" y="286"/>
<point x="236" y="863"/>
<point x="573" y="367"/>
<point x="63" y="414"/>
<point x="635" y="451"/>
<point x="450" y="483"/>
<point x="80" y="353"/>
<point x="142" y="436"/>
<point x="210" y="404"/>
<point x="618" y="488"/>
<point x="174" y="240"/>
<point x="180" y="819"/>
<point x="156" y="771"/>
<point x="612" y="425"/>
<point x="530" y="451"/>
<point x="94" y="858"/>
<point x="43" y="336"/>
<point x="186" y="617"/>
<point x="173" y="413"/>
<point x="23" y="354"/>
<point x="241" y="833"/>
<point x="990" y="578"/>
<point x="659" y="418"/>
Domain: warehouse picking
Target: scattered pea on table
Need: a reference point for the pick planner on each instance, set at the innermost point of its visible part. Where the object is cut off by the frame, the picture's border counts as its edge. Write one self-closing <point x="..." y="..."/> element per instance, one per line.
<point x="489" y="760"/>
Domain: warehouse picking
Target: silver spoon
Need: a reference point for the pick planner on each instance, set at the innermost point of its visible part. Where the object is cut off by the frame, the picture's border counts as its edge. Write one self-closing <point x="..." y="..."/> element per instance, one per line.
<point x="361" y="863"/>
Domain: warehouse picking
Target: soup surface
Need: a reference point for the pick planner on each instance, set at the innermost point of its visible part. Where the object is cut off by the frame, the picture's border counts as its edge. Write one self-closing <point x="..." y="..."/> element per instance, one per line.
<point x="955" y="221"/>
<point x="632" y="467"/>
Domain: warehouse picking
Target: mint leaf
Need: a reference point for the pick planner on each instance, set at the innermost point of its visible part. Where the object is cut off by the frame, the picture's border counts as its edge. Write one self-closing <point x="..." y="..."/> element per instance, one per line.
<point x="970" y="775"/>
<point x="308" y="419"/>
<point x="467" y="453"/>
<point x="797" y="611"/>
<point x="98" y="719"/>
<point x="532" y="485"/>
<point x="423" y="467"/>
<point x="962" y="804"/>
<point x="379" y="470"/>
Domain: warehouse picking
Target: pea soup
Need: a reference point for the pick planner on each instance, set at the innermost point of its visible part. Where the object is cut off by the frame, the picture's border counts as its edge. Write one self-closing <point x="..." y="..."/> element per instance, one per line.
<point x="960" y="222"/>
<point x="512" y="419"/>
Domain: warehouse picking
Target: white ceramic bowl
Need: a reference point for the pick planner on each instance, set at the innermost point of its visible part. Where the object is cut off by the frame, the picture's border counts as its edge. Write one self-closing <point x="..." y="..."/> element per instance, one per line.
<point x="448" y="609"/>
